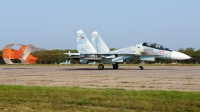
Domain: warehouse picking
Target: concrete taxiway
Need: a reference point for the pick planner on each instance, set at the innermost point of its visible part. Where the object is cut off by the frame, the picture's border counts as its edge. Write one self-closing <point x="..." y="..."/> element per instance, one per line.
<point x="181" y="78"/>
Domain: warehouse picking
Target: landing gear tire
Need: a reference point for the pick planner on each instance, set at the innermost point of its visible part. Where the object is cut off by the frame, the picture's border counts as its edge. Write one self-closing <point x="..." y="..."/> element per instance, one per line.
<point x="101" y="67"/>
<point x="115" y="66"/>
<point x="141" y="67"/>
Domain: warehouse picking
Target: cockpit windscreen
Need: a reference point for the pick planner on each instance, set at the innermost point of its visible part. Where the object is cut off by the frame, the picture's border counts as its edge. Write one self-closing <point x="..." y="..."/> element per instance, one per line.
<point x="154" y="45"/>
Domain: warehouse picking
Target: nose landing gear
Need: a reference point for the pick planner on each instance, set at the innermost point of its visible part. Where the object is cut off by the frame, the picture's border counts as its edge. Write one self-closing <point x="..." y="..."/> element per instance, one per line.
<point x="141" y="67"/>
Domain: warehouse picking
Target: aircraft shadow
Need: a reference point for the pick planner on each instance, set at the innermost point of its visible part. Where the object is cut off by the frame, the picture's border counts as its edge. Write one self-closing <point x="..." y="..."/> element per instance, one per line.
<point x="15" y="68"/>
<point x="112" y="69"/>
<point x="84" y="69"/>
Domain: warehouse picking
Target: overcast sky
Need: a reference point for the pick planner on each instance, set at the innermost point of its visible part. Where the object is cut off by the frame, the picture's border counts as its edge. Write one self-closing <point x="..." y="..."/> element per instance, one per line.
<point x="52" y="24"/>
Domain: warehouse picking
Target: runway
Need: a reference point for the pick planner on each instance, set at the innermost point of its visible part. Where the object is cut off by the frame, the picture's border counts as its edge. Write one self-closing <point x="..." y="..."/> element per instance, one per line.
<point x="180" y="78"/>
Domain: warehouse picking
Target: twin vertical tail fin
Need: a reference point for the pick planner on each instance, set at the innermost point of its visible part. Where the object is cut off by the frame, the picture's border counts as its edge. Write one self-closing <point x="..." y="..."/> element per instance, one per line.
<point x="98" y="43"/>
<point x="83" y="44"/>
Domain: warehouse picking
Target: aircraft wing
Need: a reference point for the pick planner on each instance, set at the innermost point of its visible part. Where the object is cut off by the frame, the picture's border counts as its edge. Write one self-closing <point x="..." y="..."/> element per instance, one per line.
<point x="115" y="53"/>
<point x="145" y="52"/>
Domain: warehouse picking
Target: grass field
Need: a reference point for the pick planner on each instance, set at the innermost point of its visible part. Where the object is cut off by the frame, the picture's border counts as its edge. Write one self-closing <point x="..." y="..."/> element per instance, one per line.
<point x="47" y="99"/>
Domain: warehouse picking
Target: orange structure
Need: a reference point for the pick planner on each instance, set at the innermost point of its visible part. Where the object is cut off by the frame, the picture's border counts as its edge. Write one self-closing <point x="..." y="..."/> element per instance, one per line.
<point x="23" y="54"/>
<point x="31" y="59"/>
<point x="11" y="53"/>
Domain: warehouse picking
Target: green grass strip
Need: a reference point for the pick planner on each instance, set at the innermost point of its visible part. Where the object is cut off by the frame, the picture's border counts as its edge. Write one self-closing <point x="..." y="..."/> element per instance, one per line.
<point x="49" y="99"/>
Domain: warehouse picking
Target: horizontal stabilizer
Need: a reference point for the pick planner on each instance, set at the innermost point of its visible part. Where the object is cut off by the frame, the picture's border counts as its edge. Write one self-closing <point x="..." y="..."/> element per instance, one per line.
<point x="72" y="54"/>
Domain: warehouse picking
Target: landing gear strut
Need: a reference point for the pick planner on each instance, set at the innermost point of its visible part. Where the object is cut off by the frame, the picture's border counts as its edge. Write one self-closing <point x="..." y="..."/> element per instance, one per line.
<point x="101" y="67"/>
<point x="115" y="66"/>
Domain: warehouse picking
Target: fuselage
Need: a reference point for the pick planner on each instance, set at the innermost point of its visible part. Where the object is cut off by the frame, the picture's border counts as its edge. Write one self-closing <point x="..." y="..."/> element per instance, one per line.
<point x="146" y="51"/>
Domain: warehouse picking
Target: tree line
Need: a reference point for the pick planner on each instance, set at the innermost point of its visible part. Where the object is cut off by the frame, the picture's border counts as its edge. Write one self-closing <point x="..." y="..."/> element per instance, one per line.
<point x="57" y="56"/>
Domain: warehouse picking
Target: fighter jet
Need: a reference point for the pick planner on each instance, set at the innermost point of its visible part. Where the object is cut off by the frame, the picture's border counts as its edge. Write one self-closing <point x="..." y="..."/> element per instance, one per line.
<point x="99" y="52"/>
<point x="67" y="62"/>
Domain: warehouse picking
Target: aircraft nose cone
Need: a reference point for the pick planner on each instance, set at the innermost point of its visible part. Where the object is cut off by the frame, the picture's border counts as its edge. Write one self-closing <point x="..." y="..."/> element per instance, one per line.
<point x="179" y="56"/>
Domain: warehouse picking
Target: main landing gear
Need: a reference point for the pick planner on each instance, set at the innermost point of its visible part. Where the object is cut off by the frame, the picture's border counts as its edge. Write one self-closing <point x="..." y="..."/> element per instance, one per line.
<point x="101" y="67"/>
<point x="115" y="66"/>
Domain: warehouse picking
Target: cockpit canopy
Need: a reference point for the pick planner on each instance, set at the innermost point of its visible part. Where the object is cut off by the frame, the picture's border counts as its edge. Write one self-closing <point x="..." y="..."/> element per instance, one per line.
<point x="155" y="46"/>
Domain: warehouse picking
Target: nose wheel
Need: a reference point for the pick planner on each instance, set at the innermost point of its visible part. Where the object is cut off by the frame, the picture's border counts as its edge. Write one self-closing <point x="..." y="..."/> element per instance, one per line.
<point x="141" y="67"/>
